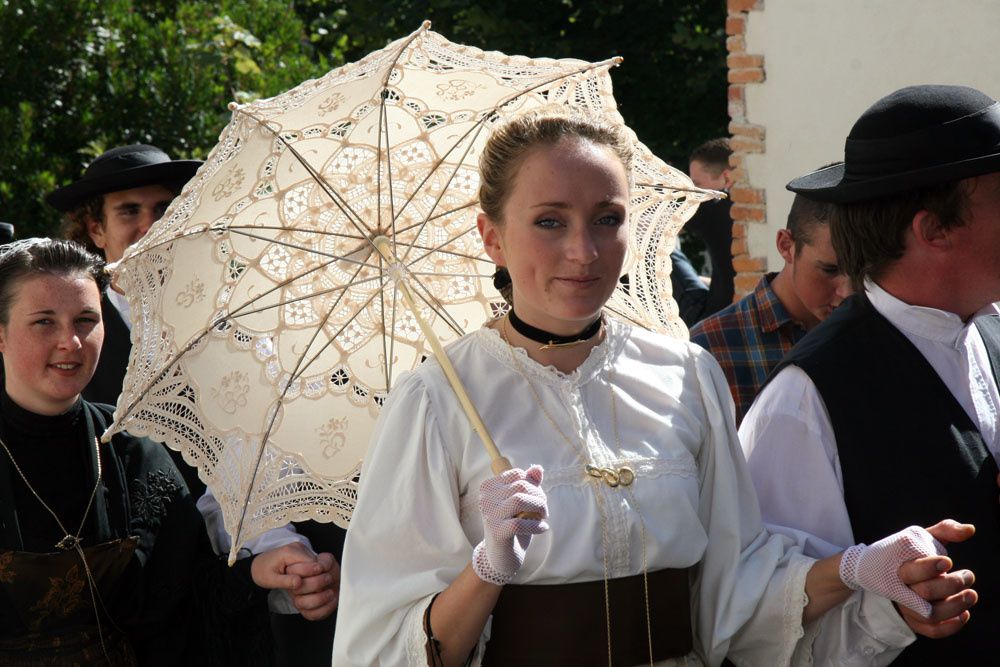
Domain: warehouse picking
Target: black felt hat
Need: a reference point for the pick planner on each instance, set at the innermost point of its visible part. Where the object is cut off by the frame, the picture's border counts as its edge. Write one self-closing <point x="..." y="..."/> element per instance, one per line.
<point x="123" y="168"/>
<point x="915" y="137"/>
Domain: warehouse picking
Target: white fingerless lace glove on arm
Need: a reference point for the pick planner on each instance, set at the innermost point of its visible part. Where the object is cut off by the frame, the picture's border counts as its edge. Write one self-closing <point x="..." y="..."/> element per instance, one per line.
<point x="875" y="568"/>
<point x="506" y="537"/>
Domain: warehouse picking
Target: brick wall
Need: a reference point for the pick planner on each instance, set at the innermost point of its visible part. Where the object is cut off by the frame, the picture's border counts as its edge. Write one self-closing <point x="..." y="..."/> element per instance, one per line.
<point x="745" y="69"/>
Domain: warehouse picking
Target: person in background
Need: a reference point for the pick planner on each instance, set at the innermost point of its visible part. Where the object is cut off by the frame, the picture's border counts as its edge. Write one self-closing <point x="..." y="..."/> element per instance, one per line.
<point x="888" y="412"/>
<point x="688" y="289"/>
<point x="709" y="168"/>
<point x="750" y="337"/>
<point x="120" y="195"/>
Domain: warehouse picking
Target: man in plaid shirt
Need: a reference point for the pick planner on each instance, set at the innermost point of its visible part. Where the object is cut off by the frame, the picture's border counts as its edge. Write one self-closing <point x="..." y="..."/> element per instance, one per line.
<point x="751" y="336"/>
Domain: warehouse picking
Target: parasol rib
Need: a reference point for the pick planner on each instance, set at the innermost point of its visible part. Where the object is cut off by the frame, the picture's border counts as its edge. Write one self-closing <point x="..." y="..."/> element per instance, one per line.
<point x="356" y="220"/>
<point x="497" y="462"/>
<point x="218" y="230"/>
<point x="294" y="375"/>
<point x="436" y="306"/>
<point x="381" y="304"/>
<point x="312" y="251"/>
<point x="478" y="127"/>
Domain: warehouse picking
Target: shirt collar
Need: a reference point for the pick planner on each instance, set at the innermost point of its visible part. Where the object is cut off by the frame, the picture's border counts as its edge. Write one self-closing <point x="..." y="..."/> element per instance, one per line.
<point x="121" y="305"/>
<point x="930" y="323"/>
<point x="772" y="314"/>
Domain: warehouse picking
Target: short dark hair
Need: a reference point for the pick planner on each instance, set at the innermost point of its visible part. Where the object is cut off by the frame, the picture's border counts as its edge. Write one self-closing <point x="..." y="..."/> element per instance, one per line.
<point x="803" y="218"/>
<point x="868" y="236"/>
<point x="714" y="154"/>
<point x="36" y="257"/>
<point x="74" y="226"/>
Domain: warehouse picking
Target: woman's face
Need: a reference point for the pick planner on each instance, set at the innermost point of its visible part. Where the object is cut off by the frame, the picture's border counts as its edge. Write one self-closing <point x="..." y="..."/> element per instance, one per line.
<point x="51" y="341"/>
<point x="564" y="233"/>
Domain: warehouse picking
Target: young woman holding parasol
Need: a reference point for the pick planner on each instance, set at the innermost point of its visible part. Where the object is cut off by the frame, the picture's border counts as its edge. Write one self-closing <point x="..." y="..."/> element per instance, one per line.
<point x="104" y="558"/>
<point x="641" y="542"/>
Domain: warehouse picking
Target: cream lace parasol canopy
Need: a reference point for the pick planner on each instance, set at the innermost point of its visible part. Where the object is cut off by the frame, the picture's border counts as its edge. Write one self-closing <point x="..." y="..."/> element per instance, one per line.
<point x="268" y="329"/>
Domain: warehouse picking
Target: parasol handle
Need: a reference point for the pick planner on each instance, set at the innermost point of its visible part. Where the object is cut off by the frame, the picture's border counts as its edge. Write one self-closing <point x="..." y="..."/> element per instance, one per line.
<point x="498" y="462"/>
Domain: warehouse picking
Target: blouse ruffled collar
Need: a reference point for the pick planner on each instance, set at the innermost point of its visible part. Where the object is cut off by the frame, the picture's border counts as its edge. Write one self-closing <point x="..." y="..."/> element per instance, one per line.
<point x="616" y="335"/>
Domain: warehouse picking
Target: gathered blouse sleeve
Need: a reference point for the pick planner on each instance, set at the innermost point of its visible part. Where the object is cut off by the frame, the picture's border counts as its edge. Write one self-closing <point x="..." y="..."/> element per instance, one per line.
<point x="749" y="591"/>
<point x="396" y="556"/>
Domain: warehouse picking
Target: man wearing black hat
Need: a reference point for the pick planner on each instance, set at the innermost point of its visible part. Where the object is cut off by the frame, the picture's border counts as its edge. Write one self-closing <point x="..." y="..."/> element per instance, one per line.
<point x="111" y="207"/>
<point x="888" y="413"/>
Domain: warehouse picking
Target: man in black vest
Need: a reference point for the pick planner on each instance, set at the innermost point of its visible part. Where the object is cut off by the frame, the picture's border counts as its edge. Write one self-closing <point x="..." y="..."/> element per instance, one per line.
<point x="888" y="413"/>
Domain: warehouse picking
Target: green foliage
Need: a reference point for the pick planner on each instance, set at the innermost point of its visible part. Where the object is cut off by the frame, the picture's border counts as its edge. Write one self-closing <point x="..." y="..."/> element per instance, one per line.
<point x="80" y="76"/>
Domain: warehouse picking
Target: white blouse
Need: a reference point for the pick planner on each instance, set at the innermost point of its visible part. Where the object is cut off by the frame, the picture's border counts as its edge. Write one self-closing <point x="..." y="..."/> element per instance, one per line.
<point x="417" y="518"/>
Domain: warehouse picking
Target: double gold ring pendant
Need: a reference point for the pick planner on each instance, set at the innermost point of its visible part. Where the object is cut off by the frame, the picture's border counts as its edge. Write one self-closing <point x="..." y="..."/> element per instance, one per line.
<point x="613" y="477"/>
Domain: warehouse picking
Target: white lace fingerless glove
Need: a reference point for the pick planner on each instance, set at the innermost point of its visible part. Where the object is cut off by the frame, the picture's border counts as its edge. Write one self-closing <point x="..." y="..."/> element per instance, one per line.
<point x="875" y="568"/>
<point x="506" y="537"/>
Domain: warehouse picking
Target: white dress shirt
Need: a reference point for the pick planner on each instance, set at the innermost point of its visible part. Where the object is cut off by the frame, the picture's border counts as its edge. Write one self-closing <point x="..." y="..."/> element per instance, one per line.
<point x="792" y="454"/>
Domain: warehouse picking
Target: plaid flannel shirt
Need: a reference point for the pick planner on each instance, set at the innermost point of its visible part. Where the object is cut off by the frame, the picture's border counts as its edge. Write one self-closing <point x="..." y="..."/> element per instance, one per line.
<point x="748" y="339"/>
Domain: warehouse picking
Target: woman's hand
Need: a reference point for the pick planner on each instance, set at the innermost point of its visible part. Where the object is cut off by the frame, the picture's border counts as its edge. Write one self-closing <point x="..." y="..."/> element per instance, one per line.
<point x="284" y="567"/>
<point x="318" y="594"/>
<point x="502" y="499"/>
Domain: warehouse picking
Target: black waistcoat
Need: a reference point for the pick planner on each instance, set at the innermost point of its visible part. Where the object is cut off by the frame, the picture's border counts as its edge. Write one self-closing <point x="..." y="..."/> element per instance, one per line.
<point x="910" y="455"/>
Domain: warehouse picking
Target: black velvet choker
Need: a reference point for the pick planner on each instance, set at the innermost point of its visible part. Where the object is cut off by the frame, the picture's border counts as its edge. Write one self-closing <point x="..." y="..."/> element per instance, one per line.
<point x="550" y="340"/>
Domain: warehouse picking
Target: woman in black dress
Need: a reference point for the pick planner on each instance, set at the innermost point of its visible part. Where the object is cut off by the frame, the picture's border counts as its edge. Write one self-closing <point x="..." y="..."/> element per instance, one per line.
<point x="104" y="557"/>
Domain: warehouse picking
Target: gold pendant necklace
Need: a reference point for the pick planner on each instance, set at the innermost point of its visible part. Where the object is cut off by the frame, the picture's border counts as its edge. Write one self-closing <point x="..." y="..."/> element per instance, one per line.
<point x="68" y="541"/>
<point x="623" y="476"/>
<point x="73" y="542"/>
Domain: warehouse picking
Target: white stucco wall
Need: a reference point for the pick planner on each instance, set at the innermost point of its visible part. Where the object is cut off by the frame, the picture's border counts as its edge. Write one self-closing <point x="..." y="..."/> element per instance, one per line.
<point x="826" y="61"/>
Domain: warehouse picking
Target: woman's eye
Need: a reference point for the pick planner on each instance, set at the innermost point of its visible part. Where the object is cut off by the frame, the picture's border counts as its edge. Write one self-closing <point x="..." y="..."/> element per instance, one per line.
<point x="547" y="223"/>
<point x="610" y="220"/>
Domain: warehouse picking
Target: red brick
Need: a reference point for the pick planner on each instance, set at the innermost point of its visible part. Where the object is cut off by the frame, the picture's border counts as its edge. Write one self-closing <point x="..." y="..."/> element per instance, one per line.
<point x="736" y="93"/>
<point x="742" y="195"/>
<point x="746" y="75"/>
<point x="746" y="282"/>
<point x="736" y="24"/>
<point x="744" y="264"/>
<point x="739" y="230"/>
<point x="738" y="60"/>
<point x="746" y="145"/>
<point x="739" y="247"/>
<point x="736" y="44"/>
<point x="747" y="212"/>
<point x="746" y="130"/>
<point x="742" y="5"/>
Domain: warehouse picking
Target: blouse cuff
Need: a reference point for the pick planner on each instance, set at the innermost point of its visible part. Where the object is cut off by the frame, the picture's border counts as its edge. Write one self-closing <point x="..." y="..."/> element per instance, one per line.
<point x="795" y="600"/>
<point x="885" y="624"/>
<point x="416" y="636"/>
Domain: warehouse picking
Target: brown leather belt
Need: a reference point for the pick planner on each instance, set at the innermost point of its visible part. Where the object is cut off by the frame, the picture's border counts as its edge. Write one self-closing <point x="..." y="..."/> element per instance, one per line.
<point x="536" y="626"/>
